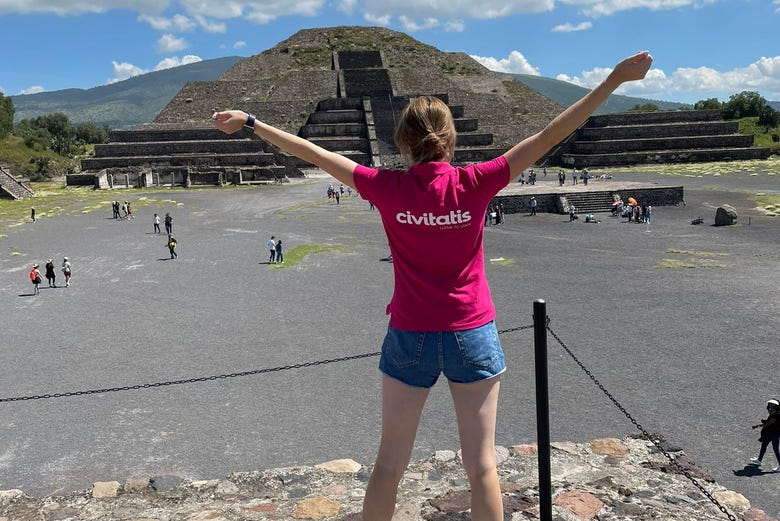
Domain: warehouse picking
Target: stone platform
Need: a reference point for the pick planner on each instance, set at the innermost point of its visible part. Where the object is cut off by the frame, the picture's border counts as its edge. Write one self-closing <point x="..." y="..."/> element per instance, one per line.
<point x="607" y="479"/>
<point x="596" y="196"/>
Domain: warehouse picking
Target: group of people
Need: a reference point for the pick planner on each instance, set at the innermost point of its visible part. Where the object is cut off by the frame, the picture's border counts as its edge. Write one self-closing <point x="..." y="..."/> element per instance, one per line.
<point x="51" y="274"/>
<point x="632" y="210"/>
<point x="494" y="214"/>
<point x="276" y="253"/>
<point x="335" y="194"/>
<point x="123" y="211"/>
<point x="168" y="223"/>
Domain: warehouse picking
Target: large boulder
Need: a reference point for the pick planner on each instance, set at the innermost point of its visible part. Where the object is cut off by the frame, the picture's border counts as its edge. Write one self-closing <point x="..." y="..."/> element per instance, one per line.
<point x="725" y="215"/>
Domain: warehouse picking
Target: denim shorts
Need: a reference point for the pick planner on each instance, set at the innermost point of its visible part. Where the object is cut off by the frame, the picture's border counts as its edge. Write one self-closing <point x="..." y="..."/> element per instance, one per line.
<point x="466" y="356"/>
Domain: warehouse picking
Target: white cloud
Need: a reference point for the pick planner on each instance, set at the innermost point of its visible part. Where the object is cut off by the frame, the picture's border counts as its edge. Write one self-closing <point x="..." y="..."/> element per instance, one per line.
<point x="455" y="26"/>
<point x="598" y="8"/>
<point x="35" y="89"/>
<point x="515" y="63"/>
<point x="412" y="25"/>
<point x="239" y="44"/>
<point x="76" y="7"/>
<point x="348" y="6"/>
<point x="179" y="23"/>
<point x="211" y="27"/>
<point x="123" y="71"/>
<point x="174" y="61"/>
<point x="170" y="43"/>
<point x="569" y="28"/>
<point x="762" y="76"/>
<point x="256" y="11"/>
<point x="383" y="20"/>
<point x="456" y="9"/>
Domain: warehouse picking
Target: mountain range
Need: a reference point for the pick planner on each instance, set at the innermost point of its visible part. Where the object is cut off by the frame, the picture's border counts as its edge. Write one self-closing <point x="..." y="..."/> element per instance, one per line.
<point x="137" y="100"/>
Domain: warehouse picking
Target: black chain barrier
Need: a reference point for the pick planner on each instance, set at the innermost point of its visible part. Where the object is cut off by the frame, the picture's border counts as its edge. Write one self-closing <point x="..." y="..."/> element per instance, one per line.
<point x="644" y="431"/>
<point x="208" y="378"/>
<point x="212" y="378"/>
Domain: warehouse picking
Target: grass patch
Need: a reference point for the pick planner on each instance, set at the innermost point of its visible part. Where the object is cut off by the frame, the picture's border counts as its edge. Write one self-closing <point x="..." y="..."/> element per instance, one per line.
<point x="695" y="263"/>
<point x="694" y="259"/>
<point x="501" y="261"/>
<point x="296" y="254"/>
<point x="758" y="167"/>
<point x="692" y="253"/>
<point x="769" y="203"/>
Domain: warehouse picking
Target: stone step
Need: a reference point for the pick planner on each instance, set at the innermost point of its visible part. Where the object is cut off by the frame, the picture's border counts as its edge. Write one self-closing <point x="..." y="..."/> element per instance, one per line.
<point x="661" y="143"/>
<point x="476" y="155"/>
<point x="159" y="135"/>
<point x="333" y="130"/>
<point x="466" y="124"/>
<point x="194" y="160"/>
<point x="590" y="202"/>
<point x="474" y="140"/>
<point x="148" y="148"/>
<point x="336" y="116"/>
<point x="354" y="103"/>
<point x="706" y="128"/>
<point x="647" y="118"/>
<point x="665" y="156"/>
<point x="342" y="143"/>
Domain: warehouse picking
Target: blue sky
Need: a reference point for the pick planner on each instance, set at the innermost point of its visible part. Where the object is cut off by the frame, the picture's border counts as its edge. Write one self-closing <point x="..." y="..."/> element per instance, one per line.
<point x="702" y="48"/>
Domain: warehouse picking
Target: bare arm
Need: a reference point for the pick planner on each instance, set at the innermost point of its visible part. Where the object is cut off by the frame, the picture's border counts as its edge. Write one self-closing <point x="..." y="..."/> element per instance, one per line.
<point x="336" y="165"/>
<point x="525" y="153"/>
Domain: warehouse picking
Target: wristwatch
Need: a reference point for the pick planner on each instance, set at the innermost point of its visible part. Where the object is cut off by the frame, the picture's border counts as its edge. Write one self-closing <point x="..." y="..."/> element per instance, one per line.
<point x="250" y="122"/>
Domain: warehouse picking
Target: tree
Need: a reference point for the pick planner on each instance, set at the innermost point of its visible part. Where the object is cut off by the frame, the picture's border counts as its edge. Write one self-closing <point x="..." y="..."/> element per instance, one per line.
<point x="769" y="117"/>
<point x="743" y="105"/>
<point x="647" y="107"/>
<point x="708" y="104"/>
<point x="6" y="115"/>
<point x="91" y="133"/>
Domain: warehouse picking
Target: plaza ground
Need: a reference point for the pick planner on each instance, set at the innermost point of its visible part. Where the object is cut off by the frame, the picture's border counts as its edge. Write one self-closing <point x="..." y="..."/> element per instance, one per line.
<point x="678" y="321"/>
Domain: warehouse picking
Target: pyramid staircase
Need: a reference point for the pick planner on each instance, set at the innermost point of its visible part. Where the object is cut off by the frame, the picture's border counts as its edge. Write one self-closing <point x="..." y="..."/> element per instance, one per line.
<point x="684" y="136"/>
<point x="590" y="202"/>
<point x="12" y="187"/>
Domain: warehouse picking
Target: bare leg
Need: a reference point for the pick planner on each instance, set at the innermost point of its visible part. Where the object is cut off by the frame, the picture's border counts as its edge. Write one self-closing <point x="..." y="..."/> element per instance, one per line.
<point x="401" y="409"/>
<point x="476" y="405"/>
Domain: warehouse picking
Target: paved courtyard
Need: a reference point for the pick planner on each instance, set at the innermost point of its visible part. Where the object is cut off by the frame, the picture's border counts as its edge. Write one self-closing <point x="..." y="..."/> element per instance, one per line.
<point x="678" y="321"/>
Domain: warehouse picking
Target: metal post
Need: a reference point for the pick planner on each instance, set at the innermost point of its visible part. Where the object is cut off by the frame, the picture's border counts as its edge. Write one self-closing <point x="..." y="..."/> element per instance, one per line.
<point x="542" y="410"/>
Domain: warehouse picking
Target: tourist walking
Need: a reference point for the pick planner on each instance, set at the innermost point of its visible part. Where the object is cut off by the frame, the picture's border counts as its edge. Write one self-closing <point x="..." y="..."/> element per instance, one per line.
<point x="770" y="433"/>
<point x="32" y="214"/>
<point x="156" y="223"/>
<point x="533" y="205"/>
<point x="172" y="247"/>
<point x="35" y="278"/>
<point x="66" y="270"/>
<point x="432" y="216"/>
<point x="279" y="252"/>
<point x="572" y="212"/>
<point x="271" y="250"/>
<point x="51" y="276"/>
<point x="168" y="223"/>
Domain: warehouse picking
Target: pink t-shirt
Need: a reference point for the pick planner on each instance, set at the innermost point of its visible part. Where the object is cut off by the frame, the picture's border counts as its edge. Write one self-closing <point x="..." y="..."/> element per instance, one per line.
<point x="434" y="217"/>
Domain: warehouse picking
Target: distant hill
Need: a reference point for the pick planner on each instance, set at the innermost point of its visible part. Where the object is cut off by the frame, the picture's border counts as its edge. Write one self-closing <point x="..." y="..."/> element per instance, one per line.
<point x="565" y="94"/>
<point x="134" y="101"/>
<point x="774" y="104"/>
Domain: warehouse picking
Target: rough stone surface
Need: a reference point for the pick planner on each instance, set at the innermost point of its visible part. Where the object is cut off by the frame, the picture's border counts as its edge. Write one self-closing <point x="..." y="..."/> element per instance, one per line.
<point x="340" y="465"/>
<point x="582" y="504"/>
<point x="609" y="447"/>
<point x="726" y="215"/>
<point x="641" y="486"/>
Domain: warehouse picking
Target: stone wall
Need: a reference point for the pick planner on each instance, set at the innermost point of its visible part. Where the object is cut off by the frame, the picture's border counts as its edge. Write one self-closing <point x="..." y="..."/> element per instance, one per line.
<point x="520" y="203"/>
<point x="607" y="479"/>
